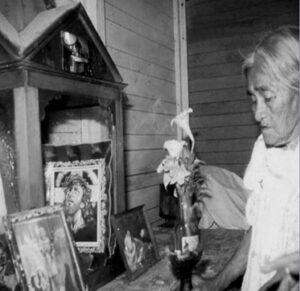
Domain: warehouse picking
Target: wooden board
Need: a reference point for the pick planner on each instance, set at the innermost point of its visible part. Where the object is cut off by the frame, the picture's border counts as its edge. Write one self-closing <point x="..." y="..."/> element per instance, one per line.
<point x="138" y="162"/>
<point x="137" y="64"/>
<point x="218" y="95"/>
<point x="138" y="122"/>
<point x="147" y="86"/>
<point x="141" y="181"/>
<point x="144" y="142"/>
<point x="147" y="196"/>
<point x="229" y="132"/>
<point x="121" y="17"/>
<point x="140" y="40"/>
<point x="146" y="11"/>
<point x="246" y="13"/>
<point x="125" y="40"/>
<point x="224" y="145"/>
<point x="226" y="119"/>
<point x="222" y="108"/>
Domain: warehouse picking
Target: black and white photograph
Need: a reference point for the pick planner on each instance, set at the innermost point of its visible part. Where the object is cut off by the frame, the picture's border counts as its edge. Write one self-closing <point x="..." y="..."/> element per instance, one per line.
<point x="136" y="240"/>
<point x="80" y="188"/>
<point x="188" y="107"/>
<point x="43" y="251"/>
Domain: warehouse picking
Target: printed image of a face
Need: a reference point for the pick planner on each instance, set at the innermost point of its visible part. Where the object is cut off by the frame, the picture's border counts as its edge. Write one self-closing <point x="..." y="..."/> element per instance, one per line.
<point x="74" y="195"/>
<point x="275" y="108"/>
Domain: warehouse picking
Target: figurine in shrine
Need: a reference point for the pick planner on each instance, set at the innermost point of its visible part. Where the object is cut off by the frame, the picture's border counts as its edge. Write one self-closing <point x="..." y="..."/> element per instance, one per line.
<point x="77" y="59"/>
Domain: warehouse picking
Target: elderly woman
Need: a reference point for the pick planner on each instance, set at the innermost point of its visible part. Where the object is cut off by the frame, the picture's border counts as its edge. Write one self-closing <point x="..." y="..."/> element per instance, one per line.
<point x="272" y="175"/>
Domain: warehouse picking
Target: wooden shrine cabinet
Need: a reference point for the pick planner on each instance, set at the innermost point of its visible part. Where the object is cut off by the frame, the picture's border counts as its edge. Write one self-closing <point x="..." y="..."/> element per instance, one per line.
<point x="58" y="87"/>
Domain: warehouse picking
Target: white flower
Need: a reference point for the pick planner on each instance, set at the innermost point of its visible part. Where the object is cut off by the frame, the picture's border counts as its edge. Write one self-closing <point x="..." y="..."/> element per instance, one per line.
<point x="173" y="171"/>
<point x="174" y="147"/>
<point x="182" y="120"/>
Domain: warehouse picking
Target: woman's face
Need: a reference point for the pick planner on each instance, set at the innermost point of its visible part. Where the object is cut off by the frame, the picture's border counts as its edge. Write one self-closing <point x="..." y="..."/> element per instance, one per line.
<point x="275" y="108"/>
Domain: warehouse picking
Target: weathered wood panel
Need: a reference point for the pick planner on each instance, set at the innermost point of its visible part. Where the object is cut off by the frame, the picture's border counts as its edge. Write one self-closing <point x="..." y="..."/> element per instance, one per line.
<point x="136" y="182"/>
<point x="139" y="35"/>
<point x="138" y="162"/>
<point x="219" y="95"/>
<point x="127" y="40"/>
<point x="225" y="107"/>
<point x="155" y="105"/>
<point x="144" y="142"/>
<point x="243" y="14"/>
<point x="222" y="120"/>
<point x="148" y="12"/>
<point x="230" y="81"/>
<point x="248" y="26"/>
<point x="141" y="122"/>
<point x="224" y="145"/>
<point x="136" y="64"/>
<point x="226" y="132"/>
<point x="147" y="86"/>
<point x="148" y="196"/>
<point x="220" y="33"/>
<point x="121" y="17"/>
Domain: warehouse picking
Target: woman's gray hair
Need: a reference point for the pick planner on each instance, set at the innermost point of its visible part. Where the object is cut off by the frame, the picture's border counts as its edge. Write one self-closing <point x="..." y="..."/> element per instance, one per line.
<point x="277" y="55"/>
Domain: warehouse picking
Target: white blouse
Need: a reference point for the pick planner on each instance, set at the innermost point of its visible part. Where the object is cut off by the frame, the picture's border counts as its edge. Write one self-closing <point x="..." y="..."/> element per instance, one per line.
<point x="272" y="210"/>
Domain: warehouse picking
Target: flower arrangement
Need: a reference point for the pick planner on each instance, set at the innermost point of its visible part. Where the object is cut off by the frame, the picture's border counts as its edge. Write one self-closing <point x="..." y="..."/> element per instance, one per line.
<point x="181" y="168"/>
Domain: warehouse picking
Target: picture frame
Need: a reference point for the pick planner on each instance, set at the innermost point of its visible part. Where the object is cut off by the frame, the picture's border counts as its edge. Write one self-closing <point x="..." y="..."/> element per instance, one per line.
<point x="136" y="241"/>
<point x="80" y="186"/>
<point x="43" y="251"/>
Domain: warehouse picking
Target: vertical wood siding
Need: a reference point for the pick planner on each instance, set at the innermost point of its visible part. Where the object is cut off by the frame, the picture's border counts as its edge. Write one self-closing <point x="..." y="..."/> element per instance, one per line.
<point x="220" y="33"/>
<point x="139" y="37"/>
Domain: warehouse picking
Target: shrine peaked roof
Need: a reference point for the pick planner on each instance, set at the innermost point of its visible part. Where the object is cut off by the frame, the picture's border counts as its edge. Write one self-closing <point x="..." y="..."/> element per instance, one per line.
<point x="19" y="41"/>
<point x="22" y="39"/>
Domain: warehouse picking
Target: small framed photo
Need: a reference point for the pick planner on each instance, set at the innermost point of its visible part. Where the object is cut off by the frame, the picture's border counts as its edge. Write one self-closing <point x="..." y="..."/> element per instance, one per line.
<point x="79" y="186"/>
<point x="42" y="250"/>
<point x="136" y="241"/>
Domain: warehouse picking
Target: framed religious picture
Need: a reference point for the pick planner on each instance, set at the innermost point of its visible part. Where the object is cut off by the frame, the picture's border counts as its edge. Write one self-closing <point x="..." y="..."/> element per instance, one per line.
<point x="136" y="241"/>
<point x="42" y="250"/>
<point x="80" y="187"/>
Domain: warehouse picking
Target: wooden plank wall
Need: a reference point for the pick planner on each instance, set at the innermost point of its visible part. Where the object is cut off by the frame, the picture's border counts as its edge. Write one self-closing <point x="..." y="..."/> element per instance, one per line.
<point x="219" y="33"/>
<point x="139" y="37"/>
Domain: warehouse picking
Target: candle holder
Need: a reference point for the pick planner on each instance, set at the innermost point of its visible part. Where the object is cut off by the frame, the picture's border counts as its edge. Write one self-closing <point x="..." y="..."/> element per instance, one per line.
<point x="182" y="266"/>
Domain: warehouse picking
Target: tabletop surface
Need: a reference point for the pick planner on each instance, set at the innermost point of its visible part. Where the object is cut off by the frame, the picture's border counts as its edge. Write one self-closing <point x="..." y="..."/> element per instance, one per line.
<point x="218" y="246"/>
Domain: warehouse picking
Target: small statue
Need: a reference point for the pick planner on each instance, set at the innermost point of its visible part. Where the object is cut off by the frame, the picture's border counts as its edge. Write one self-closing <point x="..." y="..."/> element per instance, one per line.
<point x="78" y="53"/>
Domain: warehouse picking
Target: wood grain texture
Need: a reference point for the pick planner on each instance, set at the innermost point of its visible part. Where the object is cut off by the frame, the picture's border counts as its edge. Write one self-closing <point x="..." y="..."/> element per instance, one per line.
<point x="218" y="95"/>
<point x="138" y="162"/>
<point x="139" y="35"/>
<point x="28" y="148"/>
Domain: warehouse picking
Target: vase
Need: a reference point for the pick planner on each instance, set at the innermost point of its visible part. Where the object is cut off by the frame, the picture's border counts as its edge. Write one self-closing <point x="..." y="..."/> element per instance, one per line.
<point x="187" y="235"/>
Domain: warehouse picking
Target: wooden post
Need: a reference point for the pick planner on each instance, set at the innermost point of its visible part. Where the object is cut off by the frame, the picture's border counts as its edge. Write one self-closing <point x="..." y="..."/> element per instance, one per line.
<point x="181" y="71"/>
<point x="30" y="176"/>
<point x="120" y="197"/>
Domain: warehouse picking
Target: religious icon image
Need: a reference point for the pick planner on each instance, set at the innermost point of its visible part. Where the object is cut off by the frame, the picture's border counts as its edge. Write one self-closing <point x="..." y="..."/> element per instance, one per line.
<point x="43" y="251"/>
<point x="80" y="189"/>
<point x="136" y="241"/>
<point x="76" y="53"/>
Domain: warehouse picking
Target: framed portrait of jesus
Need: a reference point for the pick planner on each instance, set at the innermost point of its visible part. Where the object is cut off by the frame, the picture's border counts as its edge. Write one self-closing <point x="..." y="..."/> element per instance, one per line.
<point x="82" y="187"/>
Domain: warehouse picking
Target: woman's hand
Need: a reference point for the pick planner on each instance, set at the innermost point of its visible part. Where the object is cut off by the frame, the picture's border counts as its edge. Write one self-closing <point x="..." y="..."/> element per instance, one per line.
<point x="287" y="273"/>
